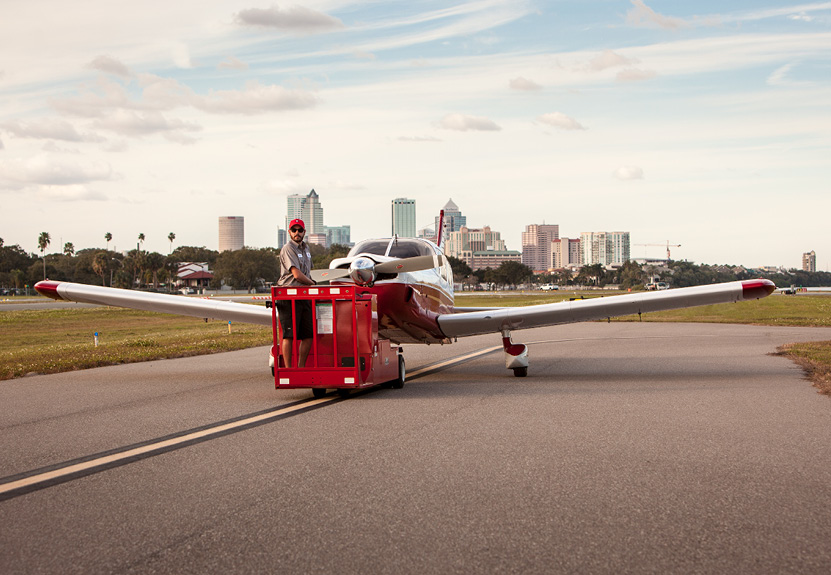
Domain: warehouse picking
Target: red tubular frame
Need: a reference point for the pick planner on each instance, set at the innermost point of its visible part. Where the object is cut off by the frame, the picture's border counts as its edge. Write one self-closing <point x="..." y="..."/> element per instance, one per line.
<point x="317" y="375"/>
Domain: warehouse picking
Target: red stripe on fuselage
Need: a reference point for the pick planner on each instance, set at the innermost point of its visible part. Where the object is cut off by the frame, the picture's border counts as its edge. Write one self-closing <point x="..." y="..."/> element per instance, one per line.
<point x="406" y="317"/>
<point x="48" y="289"/>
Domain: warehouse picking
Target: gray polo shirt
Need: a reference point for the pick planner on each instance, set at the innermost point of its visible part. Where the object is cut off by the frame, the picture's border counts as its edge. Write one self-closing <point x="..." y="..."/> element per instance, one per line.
<point x="297" y="256"/>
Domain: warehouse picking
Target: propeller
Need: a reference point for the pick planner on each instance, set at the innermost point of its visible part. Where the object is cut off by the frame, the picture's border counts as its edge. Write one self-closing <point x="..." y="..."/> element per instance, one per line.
<point x="363" y="270"/>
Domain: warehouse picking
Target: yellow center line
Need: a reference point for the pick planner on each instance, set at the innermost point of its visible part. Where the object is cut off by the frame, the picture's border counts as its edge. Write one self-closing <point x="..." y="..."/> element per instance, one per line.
<point x="160" y="445"/>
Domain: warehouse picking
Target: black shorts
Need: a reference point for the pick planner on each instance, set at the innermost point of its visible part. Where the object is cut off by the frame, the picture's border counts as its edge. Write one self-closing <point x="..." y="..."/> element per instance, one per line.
<point x="305" y="329"/>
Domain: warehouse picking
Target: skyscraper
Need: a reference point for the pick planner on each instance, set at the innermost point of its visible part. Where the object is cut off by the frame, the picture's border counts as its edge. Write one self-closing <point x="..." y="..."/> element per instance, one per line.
<point x="604" y="248"/>
<point x="536" y="245"/>
<point x="231" y="233"/>
<point x="313" y="214"/>
<point x="809" y="261"/>
<point x="453" y="219"/>
<point x="404" y="217"/>
<point x="308" y="209"/>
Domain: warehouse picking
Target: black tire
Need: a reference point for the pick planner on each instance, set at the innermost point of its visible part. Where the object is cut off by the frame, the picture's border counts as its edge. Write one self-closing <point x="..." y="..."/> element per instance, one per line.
<point x="520" y="371"/>
<point x="343" y="392"/>
<point x="318" y="392"/>
<point x="398" y="383"/>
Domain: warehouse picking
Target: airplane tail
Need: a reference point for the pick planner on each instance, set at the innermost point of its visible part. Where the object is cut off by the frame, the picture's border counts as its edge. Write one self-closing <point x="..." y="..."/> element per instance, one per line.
<point x="440" y="231"/>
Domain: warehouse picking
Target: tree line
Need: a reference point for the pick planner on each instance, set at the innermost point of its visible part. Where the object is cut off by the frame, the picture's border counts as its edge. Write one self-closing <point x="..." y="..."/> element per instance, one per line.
<point x="247" y="268"/>
<point x="631" y="275"/>
<point x="250" y="268"/>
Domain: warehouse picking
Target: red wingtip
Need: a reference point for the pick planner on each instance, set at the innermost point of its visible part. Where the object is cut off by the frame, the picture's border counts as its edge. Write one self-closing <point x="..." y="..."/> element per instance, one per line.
<point x="49" y="289"/>
<point x="756" y="289"/>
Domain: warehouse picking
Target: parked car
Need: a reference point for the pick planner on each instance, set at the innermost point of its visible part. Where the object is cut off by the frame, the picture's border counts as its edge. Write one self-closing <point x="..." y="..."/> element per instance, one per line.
<point x="549" y="287"/>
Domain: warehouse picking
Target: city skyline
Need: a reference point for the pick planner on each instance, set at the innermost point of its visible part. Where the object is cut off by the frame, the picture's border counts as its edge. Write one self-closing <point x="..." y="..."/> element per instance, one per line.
<point x="704" y="125"/>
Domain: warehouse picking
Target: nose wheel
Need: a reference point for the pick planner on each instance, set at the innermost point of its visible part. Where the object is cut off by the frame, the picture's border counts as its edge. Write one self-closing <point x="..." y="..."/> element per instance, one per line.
<point x="516" y="355"/>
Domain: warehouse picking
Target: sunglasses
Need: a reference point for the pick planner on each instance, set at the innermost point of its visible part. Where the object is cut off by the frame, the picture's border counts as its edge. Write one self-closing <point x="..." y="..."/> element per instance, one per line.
<point x="296" y="230"/>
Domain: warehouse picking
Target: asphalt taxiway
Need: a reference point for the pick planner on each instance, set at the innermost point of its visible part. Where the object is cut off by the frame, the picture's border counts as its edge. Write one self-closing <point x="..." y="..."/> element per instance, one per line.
<point x="628" y="448"/>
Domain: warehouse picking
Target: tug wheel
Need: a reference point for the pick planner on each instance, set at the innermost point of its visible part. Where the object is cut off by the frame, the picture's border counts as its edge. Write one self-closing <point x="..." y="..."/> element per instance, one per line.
<point x="318" y="392"/>
<point x="398" y="383"/>
<point x="520" y="371"/>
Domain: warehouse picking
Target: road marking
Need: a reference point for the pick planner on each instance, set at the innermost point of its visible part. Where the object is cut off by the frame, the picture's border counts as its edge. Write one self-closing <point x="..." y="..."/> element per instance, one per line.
<point x="45" y="477"/>
<point x="37" y="479"/>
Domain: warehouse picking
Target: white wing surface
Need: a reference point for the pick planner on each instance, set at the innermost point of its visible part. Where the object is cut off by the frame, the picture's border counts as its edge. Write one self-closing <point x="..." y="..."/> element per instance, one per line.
<point x="489" y="321"/>
<point x="163" y="303"/>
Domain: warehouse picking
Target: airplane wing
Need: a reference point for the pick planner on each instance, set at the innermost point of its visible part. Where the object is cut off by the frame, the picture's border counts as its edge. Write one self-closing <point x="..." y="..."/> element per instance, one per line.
<point x="490" y="321"/>
<point x="163" y="303"/>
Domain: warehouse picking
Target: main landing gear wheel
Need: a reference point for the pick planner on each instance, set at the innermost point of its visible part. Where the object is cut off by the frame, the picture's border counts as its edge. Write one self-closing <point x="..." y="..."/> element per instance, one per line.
<point x="520" y="371"/>
<point x="318" y="392"/>
<point x="402" y="374"/>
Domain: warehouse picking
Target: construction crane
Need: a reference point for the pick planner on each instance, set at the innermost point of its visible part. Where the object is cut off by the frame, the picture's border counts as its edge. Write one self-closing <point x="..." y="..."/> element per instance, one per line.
<point x="668" y="245"/>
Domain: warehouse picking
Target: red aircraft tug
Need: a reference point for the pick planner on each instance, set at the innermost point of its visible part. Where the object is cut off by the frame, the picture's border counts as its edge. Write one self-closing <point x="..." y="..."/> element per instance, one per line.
<point x="346" y="353"/>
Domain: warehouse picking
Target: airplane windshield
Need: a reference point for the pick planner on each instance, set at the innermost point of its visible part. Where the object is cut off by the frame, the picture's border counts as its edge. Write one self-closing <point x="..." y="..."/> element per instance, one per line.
<point x="403" y="248"/>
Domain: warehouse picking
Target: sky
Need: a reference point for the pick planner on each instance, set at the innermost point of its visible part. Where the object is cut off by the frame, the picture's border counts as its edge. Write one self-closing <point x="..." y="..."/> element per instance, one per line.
<point x="705" y="124"/>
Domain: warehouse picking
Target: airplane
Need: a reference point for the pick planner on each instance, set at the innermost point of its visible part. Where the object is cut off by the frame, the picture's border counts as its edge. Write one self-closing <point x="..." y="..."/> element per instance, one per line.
<point x="413" y="283"/>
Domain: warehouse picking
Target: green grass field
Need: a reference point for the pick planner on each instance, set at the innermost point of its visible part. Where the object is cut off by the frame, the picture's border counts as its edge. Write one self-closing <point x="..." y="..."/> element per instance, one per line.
<point x="52" y="341"/>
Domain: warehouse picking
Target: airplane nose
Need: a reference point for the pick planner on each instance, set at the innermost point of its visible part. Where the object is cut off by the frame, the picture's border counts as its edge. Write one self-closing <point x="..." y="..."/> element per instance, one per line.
<point x="362" y="271"/>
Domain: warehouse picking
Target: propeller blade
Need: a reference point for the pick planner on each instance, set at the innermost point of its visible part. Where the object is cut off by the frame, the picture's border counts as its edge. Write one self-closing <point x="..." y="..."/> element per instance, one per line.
<point x="410" y="264"/>
<point x="326" y="275"/>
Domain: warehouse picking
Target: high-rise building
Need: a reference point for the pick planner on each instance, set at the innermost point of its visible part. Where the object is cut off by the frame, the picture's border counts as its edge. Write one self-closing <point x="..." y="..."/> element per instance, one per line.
<point x="453" y="218"/>
<point x="308" y="209"/>
<point x="231" y="233"/>
<point x="604" y="248"/>
<point x="338" y="235"/>
<point x="809" y="261"/>
<point x="404" y="217"/>
<point x="536" y="245"/>
<point x="565" y="253"/>
<point x="313" y="214"/>
<point x="282" y="237"/>
<point x="462" y="244"/>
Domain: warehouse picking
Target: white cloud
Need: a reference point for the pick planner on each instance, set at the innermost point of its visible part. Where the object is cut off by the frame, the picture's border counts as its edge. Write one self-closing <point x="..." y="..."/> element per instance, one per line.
<point x="255" y="98"/>
<point x="48" y="129"/>
<point x="298" y="19"/>
<point x="524" y="84"/>
<point x="634" y="75"/>
<point x="71" y="193"/>
<point x="50" y="170"/>
<point x="561" y="121"/>
<point x="644" y="16"/>
<point x="110" y="65"/>
<point x="138" y="124"/>
<point x="231" y="63"/>
<point x="609" y="59"/>
<point x="463" y="123"/>
<point x="629" y="173"/>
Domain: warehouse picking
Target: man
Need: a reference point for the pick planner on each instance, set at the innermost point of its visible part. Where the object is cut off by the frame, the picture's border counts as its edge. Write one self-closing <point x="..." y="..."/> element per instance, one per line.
<point x="295" y="265"/>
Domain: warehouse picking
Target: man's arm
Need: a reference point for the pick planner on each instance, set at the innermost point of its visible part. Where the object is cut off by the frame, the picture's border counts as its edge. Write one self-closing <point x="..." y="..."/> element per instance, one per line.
<point x="301" y="277"/>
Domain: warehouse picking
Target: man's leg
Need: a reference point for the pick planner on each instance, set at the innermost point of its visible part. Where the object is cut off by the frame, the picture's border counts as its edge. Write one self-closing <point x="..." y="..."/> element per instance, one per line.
<point x="286" y="346"/>
<point x="305" y="346"/>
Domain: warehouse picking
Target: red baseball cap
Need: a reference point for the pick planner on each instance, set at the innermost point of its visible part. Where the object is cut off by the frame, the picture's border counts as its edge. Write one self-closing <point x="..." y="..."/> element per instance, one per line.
<point x="297" y="222"/>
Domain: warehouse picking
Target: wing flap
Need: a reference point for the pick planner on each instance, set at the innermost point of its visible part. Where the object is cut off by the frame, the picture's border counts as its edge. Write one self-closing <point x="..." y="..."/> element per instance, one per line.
<point x="163" y="303"/>
<point x="479" y="322"/>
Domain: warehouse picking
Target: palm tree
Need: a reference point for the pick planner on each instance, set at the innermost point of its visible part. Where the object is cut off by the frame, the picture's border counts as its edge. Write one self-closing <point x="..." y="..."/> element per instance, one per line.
<point x="171" y="236"/>
<point x="99" y="265"/>
<point x="69" y="249"/>
<point x="141" y="239"/>
<point x="108" y="236"/>
<point x="43" y="242"/>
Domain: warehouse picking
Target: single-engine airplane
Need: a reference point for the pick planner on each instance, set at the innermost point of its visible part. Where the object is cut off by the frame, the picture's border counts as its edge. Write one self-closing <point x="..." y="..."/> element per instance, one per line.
<point x="413" y="283"/>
